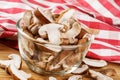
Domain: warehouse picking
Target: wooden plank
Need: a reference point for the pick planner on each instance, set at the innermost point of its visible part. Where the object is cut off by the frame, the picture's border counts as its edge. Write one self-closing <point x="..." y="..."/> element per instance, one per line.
<point x="5" y="51"/>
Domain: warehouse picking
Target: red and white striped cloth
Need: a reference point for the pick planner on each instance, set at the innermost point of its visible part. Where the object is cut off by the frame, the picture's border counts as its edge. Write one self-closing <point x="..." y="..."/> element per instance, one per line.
<point x="99" y="14"/>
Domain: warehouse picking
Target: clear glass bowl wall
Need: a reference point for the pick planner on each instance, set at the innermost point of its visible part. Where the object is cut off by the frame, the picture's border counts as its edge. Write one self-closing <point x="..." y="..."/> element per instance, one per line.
<point x="49" y="58"/>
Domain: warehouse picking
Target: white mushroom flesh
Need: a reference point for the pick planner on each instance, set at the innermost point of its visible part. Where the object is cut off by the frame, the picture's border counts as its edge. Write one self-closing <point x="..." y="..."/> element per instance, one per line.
<point x="99" y="76"/>
<point x="72" y="33"/>
<point x="75" y="77"/>
<point x="81" y="69"/>
<point x="66" y="16"/>
<point x="94" y="63"/>
<point x="53" y="32"/>
<point x="14" y="59"/>
<point x="19" y="74"/>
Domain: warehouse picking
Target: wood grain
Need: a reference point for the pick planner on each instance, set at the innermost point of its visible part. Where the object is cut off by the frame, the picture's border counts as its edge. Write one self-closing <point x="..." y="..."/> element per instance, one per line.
<point x="5" y="51"/>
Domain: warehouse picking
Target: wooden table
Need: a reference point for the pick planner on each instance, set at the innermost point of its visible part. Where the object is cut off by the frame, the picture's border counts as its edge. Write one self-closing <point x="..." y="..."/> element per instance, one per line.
<point x="5" y="51"/>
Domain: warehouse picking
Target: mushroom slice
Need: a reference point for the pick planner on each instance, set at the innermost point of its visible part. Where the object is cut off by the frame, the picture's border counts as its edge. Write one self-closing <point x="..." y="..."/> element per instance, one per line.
<point x="27" y="17"/>
<point x="44" y="17"/>
<point x="81" y="70"/>
<point x="53" y="32"/>
<point x="65" y="16"/>
<point x="52" y="78"/>
<point x="99" y="76"/>
<point x="72" y="33"/>
<point x="18" y="74"/>
<point x="75" y="77"/>
<point x="94" y="63"/>
<point x="14" y="59"/>
<point x="59" y="59"/>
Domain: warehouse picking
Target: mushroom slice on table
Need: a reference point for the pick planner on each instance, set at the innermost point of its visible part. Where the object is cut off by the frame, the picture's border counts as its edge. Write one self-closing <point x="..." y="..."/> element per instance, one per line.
<point x="94" y="63"/>
<point x="18" y="74"/>
<point x="52" y="78"/>
<point x="75" y="77"/>
<point x="99" y="76"/>
<point x="14" y="59"/>
<point x="81" y="70"/>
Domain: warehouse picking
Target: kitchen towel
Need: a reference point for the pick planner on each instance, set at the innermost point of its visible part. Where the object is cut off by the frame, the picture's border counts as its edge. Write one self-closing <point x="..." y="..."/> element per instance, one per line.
<point x="98" y="14"/>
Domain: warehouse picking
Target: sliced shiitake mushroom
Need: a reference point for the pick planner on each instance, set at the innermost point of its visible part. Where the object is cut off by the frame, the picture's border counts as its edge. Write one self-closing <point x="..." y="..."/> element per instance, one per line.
<point x="66" y="15"/>
<point x="98" y="75"/>
<point x="94" y="63"/>
<point x="27" y="18"/>
<point x="44" y="17"/>
<point x="72" y="33"/>
<point x="53" y="36"/>
<point x="75" y="77"/>
<point x="14" y="59"/>
<point x="18" y="74"/>
<point x="84" y="68"/>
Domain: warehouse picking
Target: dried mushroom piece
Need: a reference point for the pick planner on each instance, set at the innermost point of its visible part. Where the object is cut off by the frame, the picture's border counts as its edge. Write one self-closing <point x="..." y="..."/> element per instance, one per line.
<point x="53" y="36"/>
<point x="95" y="63"/>
<point x="66" y="15"/>
<point x="13" y="67"/>
<point x="33" y="28"/>
<point x="99" y="76"/>
<point x="55" y="16"/>
<point x="59" y="59"/>
<point x="14" y="59"/>
<point x="84" y="68"/>
<point x="75" y="77"/>
<point x="25" y="43"/>
<point x="43" y="16"/>
<point x="72" y="33"/>
<point x="27" y="18"/>
<point x="18" y="74"/>
<point x="73" y="59"/>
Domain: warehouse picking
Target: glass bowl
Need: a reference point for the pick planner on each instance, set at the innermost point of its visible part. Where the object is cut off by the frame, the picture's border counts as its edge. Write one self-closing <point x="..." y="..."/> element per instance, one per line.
<point x="48" y="58"/>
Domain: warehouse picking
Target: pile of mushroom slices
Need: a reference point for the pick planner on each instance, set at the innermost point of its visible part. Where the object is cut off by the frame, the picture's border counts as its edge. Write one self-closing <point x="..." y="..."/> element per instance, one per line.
<point x="58" y="29"/>
<point x="13" y="67"/>
<point x="47" y="28"/>
<point x="85" y="71"/>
